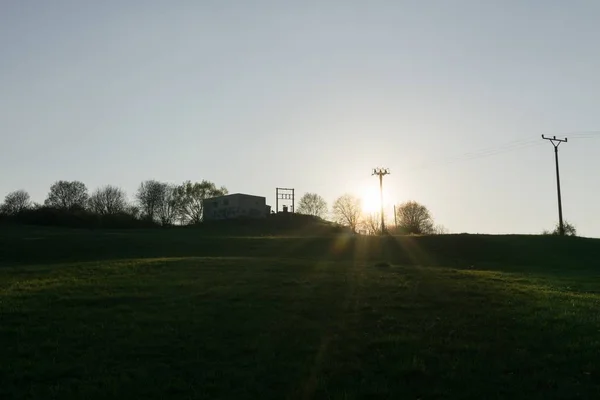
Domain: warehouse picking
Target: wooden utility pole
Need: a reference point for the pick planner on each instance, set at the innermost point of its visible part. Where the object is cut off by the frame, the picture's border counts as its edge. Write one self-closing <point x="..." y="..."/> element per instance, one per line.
<point x="556" y="142"/>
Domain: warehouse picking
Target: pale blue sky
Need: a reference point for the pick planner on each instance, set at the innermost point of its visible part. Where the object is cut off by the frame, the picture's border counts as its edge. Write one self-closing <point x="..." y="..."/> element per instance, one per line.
<point x="310" y="95"/>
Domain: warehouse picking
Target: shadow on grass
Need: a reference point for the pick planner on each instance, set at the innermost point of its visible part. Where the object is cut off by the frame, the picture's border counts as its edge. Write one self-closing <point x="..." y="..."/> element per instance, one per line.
<point x="54" y="246"/>
<point x="258" y="327"/>
<point x="444" y="333"/>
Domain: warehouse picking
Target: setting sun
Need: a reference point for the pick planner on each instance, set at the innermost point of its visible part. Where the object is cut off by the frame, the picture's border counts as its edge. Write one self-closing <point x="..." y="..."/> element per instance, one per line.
<point x="370" y="201"/>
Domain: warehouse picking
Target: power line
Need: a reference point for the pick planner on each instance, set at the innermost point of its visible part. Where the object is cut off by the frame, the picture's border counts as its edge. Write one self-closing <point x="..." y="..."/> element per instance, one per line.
<point x="500" y="150"/>
<point x="586" y="135"/>
<point x="514" y="145"/>
<point x="482" y="153"/>
<point x="581" y="134"/>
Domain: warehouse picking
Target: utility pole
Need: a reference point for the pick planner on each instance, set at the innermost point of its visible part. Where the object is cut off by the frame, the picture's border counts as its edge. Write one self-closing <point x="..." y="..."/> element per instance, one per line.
<point x="556" y="142"/>
<point x="381" y="172"/>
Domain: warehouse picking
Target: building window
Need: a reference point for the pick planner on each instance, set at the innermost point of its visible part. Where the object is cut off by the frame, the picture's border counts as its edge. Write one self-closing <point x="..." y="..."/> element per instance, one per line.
<point x="225" y="202"/>
<point x="215" y="204"/>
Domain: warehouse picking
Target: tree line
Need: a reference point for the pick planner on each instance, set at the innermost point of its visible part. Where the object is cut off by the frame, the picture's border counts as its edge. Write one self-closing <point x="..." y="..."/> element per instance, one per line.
<point x="158" y="203"/>
<point x="410" y="217"/>
<point x="347" y="210"/>
<point x="155" y="203"/>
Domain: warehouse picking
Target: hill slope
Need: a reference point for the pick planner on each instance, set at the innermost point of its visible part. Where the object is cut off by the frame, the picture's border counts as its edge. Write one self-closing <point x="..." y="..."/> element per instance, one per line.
<point x="181" y="314"/>
<point x="22" y="244"/>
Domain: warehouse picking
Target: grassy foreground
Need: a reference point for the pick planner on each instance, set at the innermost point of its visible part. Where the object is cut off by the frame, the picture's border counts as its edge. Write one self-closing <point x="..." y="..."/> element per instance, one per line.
<point x="174" y="314"/>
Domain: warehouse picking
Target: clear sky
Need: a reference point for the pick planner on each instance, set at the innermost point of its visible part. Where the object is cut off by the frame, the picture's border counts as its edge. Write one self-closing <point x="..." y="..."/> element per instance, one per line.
<point x="311" y="95"/>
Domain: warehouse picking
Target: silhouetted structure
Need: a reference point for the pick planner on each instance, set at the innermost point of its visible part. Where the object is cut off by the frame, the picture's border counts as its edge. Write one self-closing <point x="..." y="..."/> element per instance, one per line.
<point x="381" y="172"/>
<point x="235" y="206"/>
<point x="556" y="142"/>
<point x="285" y="194"/>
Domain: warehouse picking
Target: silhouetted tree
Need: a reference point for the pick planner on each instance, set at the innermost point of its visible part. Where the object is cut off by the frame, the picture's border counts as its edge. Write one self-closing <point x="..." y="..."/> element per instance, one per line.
<point x="414" y="218"/>
<point x="440" y="230"/>
<point x="108" y="200"/>
<point x="190" y="198"/>
<point x="150" y="196"/>
<point x="372" y="223"/>
<point x="167" y="209"/>
<point x="312" y="204"/>
<point x="570" y="229"/>
<point x="133" y="210"/>
<point x="15" y="202"/>
<point x="67" y="195"/>
<point x="347" y="211"/>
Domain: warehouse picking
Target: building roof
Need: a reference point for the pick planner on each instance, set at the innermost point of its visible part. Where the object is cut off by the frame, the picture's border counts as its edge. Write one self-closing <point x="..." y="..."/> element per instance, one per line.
<point x="234" y="195"/>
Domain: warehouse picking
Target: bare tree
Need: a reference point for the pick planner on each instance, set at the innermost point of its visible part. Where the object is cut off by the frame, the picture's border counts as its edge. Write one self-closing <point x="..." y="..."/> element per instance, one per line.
<point x="167" y="209"/>
<point x="439" y="229"/>
<point x="15" y="202"/>
<point x="157" y="202"/>
<point x="190" y="199"/>
<point x="108" y="200"/>
<point x="150" y="196"/>
<point x="372" y="223"/>
<point x="347" y="211"/>
<point x="67" y="195"/>
<point x="133" y="210"/>
<point x="414" y="218"/>
<point x="312" y="204"/>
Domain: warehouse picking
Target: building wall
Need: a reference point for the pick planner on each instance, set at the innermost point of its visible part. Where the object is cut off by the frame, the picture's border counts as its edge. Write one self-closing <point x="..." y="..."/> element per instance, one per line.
<point x="235" y="206"/>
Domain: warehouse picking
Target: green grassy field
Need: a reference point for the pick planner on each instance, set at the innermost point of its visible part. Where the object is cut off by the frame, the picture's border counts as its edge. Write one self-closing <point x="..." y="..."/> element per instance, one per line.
<point x="180" y="314"/>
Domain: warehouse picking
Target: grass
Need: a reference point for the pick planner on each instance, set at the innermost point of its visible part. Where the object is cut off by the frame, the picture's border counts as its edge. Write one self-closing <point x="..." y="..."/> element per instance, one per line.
<point x="173" y="314"/>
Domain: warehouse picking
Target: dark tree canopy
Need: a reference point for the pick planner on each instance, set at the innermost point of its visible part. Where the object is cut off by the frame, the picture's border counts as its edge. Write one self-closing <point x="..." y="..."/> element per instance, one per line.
<point x="15" y="202"/>
<point x="108" y="200"/>
<point x="570" y="229"/>
<point x="67" y="195"/>
<point x="347" y="210"/>
<point x="190" y="199"/>
<point x="312" y="204"/>
<point x="133" y="210"/>
<point x="414" y="218"/>
<point x="156" y="203"/>
<point x="150" y="196"/>
<point x="167" y="209"/>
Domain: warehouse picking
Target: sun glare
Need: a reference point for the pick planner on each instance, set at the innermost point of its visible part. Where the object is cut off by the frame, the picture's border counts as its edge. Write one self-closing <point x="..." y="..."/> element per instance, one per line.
<point x="370" y="201"/>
